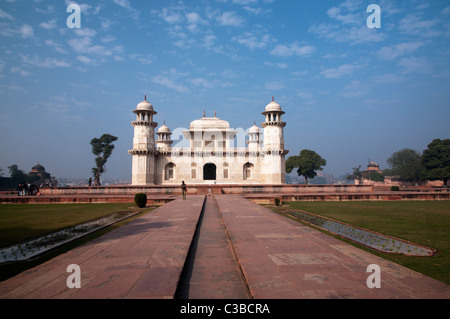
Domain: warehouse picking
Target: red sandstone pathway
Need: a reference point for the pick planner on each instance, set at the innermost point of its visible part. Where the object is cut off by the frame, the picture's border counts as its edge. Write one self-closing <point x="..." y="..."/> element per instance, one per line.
<point x="282" y="258"/>
<point x="212" y="271"/>
<point x="279" y="257"/>
<point x="142" y="259"/>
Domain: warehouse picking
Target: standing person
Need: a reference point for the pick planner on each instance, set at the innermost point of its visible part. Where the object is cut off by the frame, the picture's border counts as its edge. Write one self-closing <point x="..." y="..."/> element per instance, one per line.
<point x="183" y="189"/>
<point x="90" y="181"/>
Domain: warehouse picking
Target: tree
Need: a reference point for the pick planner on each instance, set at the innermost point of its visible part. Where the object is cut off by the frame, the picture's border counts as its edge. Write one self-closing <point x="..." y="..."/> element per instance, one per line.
<point x="407" y="164"/>
<point x="357" y="174"/>
<point x="436" y="160"/>
<point x="101" y="147"/>
<point x="17" y="175"/>
<point x="308" y="162"/>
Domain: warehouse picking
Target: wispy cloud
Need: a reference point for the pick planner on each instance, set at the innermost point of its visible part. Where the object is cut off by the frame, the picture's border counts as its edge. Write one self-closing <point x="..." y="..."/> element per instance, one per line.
<point x="341" y="71"/>
<point x="26" y="31"/>
<point x="252" y="41"/>
<point x="293" y="49"/>
<point x="394" y="51"/>
<point x="47" y="62"/>
<point x="49" y="25"/>
<point x="169" y="79"/>
<point x="4" y="15"/>
<point x="230" y="18"/>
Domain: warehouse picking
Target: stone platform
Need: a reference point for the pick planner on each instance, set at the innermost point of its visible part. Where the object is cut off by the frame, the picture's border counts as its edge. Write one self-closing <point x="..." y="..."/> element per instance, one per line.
<point x="178" y="251"/>
<point x="262" y="194"/>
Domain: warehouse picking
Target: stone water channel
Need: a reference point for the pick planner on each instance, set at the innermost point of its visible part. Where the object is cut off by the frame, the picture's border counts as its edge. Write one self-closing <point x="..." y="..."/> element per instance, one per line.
<point x="34" y="247"/>
<point x="362" y="236"/>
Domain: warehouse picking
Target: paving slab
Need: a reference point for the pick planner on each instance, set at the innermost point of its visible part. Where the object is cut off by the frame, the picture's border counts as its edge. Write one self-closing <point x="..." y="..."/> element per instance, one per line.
<point x="142" y="259"/>
<point x="213" y="271"/>
<point x="284" y="259"/>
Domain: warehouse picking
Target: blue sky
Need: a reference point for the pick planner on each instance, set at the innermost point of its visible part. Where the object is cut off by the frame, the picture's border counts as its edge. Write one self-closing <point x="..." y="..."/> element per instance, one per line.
<point x="350" y="93"/>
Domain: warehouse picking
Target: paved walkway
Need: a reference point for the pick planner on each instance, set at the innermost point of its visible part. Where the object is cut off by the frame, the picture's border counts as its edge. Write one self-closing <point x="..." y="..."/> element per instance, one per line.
<point x="279" y="258"/>
<point x="142" y="259"/>
<point x="212" y="272"/>
<point x="282" y="258"/>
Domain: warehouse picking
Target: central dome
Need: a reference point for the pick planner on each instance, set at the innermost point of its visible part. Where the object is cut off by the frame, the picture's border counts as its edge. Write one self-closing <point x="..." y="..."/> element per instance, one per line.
<point x="208" y="123"/>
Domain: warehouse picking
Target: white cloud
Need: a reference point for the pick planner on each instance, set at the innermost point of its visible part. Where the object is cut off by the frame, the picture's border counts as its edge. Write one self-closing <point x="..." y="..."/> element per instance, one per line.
<point x="415" y="65"/>
<point x="278" y="65"/>
<point x="170" y="17"/>
<point x="84" y="59"/>
<point x="274" y="86"/>
<point x="202" y="82"/>
<point x="20" y="71"/>
<point x="245" y="2"/>
<point x="339" y="72"/>
<point x="412" y="24"/>
<point x="353" y="35"/>
<point x="26" y="31"/>
<point x="388" y="78"/>
<point x="193" y="20"/>
<point x="4" y="15"/>
<point x="304" y="94"/>
<point x="168" y="79"/>
<point x="126" y="4"/>
<point x="252" y="41"/>
<point x="44" y="63"/>
<point x="292" y="49"/>
<point x="48" y="25"/>
<point x="56" y="46"/>
<point x="354" y="89"/>
<point x="85" y="32"/>
<point x="230" y="18"/>
<point x="349" y="18"/>
<point x="394" y="51"/>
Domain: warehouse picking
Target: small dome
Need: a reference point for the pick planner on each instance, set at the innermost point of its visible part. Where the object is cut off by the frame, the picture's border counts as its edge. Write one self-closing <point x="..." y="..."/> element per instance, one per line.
<point x="373" y="164"/>
<point x="164" y="129"/>
<point x="273" y="107"/>
<point x="254" y="129"/>
<point x="38" y="168"/>
<point x="145" y="105"/>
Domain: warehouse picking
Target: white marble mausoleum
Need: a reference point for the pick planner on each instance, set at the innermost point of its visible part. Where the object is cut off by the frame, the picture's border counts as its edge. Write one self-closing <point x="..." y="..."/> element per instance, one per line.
<point x="212" y="155"/>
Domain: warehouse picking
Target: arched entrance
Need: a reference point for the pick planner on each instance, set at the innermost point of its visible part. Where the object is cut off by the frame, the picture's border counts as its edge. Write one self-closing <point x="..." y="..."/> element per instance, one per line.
<point x="209" y="172"/>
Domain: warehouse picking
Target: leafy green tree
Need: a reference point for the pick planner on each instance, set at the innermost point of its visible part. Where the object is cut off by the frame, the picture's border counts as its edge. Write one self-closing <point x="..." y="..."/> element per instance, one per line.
<point x="376" y="176"/>
<point x="436" y="160"/>
<point x="407" y="164"/>
<point x="308" y="162"/>
<point x="357" y="174"/>
<point x="101" y="147"/>
<point x="17" y="175"/>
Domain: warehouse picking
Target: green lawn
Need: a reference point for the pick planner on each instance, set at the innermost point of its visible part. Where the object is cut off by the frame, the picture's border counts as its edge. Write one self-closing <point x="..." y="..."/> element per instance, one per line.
<point x="422" y="222"/>
<point x="22" y="222"/>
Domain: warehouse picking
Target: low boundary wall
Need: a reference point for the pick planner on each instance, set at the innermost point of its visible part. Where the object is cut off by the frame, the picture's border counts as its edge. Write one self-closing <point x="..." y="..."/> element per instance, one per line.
<point x="263" y="194"/>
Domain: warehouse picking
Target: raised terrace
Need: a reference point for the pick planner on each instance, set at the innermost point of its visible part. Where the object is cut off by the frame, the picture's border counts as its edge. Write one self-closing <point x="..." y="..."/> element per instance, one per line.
<point x="258" y="193"/>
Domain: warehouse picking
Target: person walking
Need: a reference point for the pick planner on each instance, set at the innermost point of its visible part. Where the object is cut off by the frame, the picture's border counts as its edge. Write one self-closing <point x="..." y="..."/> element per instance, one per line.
<point x="183" y="189"/>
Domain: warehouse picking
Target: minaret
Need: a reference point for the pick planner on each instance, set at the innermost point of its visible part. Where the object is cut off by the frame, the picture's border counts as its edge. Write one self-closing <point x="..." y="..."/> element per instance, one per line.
<point x="144" y="150"/>
<point x="274" y="153"/>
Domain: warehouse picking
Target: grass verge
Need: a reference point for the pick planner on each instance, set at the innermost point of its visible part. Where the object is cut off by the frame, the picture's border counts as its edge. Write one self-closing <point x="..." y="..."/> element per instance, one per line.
<point x="422" y="222"/>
